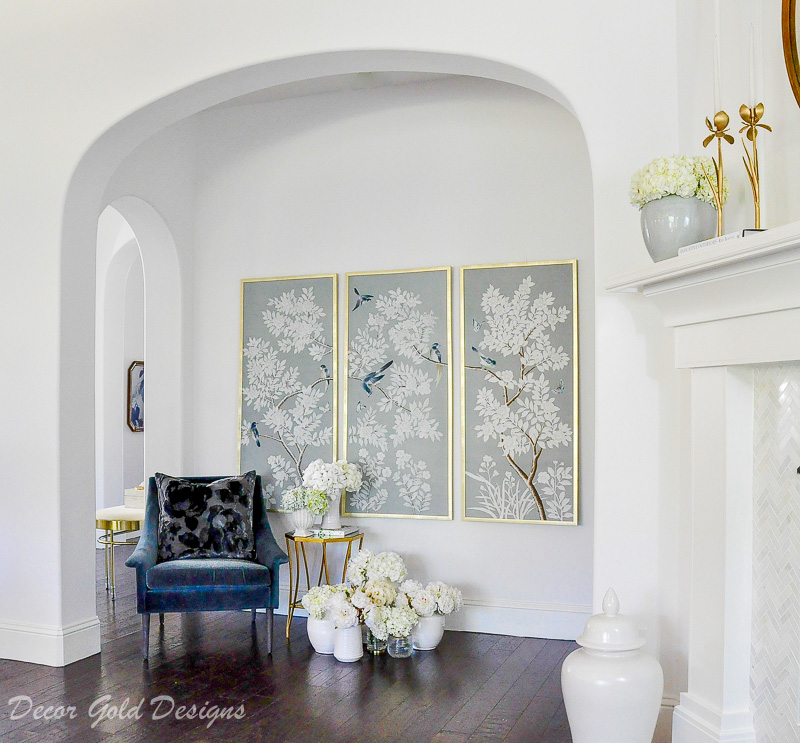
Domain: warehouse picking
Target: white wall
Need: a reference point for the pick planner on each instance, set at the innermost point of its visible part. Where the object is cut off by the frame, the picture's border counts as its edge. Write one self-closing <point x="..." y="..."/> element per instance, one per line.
<point x="133" y="333"/>
<point x="450" y="172"/>
<point x="614" y="64"/>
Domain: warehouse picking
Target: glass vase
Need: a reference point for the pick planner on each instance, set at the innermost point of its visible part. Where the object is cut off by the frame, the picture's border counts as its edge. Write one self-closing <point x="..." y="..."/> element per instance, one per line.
<point x="399" y="647"/>
<point x="375" y="645"/>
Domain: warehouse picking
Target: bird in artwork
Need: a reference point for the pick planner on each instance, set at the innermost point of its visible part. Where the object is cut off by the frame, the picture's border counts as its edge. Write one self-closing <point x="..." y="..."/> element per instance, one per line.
<point x="256" y="435"/>
<point x="325" y="375"/>
<point x="438" y="354"/>
<point x="485" y="360"/>
<point x="361" y="298"/>
<point x="476" y="326"/>
<point x="360" y="406"/>
<point x="560" y="387"/>
<point x="375" y="376"/>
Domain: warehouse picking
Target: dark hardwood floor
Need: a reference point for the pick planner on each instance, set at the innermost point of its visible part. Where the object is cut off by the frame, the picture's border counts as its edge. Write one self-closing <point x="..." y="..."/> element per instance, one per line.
<point x="472" y="688"/>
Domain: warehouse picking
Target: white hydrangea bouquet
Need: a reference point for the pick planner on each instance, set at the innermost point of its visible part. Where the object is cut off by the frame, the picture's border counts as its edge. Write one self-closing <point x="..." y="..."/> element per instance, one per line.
<point x="332" y="478"/>
<point x="435" y="598"/>
<point x="298" y="499"/>
<point x="678" y="175"/>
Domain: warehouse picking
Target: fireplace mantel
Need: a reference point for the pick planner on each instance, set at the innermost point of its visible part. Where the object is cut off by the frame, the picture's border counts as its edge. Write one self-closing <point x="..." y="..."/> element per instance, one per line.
<point x="734" y="303"/>
<point x="731" y="306"/>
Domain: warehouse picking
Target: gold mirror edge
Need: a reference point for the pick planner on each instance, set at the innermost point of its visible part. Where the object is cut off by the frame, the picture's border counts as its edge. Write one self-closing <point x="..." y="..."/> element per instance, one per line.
<point x="790" y="54"/>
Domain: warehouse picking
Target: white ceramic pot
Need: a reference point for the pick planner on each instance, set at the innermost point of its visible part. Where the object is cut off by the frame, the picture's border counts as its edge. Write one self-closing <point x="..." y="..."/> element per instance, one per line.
<point x="302" y="520"/>
<point x="333" y="518"/>
<point x="612" y="690"/>
<point x="428" y="633"/>
<point x="347" y="644"/>
<point x="671" y="222"/>
<point x="320" y="634"/>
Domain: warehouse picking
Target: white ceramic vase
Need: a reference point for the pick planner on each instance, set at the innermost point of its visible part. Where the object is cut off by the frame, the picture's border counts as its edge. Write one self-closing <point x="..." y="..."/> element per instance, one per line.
<point x="302" y="521"/>
<point x="321" y="634"/>
<point x="428" y="633"/>
<point x="347" y="644"/>
<point x="333" y="518"/>
<point x="671" y="222"/>
<point x="612" y="690"/>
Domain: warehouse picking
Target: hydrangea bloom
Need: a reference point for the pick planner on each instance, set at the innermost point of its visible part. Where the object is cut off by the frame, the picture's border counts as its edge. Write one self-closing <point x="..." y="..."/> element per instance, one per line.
<point x="344" y="614"/>
<point x="315" y="602"/>
<point x="376" y="621"/>
<point x="387" y="566"/>
<point x="678" y="175"/>
<point x="424" y="603"/>
<point x="297" y="499"/>
<point x="400" y="621"/>
<point x="356" y="572"/>
<point x="332" y="477"/>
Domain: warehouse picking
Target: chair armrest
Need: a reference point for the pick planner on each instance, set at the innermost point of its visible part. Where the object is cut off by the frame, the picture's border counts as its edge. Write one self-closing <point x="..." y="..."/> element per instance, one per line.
<point x="268" y="552"/>
<point x="143" y="558"/>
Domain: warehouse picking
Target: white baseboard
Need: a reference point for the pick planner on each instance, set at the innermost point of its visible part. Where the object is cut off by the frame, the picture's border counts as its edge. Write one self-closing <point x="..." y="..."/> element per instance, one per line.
<point x="521" y="619"/>
<point x="49" y="645"/>
<point x="695" y="722"/>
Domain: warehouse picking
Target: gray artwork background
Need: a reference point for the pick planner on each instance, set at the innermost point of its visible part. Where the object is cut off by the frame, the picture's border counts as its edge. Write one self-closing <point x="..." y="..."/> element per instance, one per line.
<point x="554" y="278"/>
<point x="433" y="289"/>
<point x="255" y="298"/>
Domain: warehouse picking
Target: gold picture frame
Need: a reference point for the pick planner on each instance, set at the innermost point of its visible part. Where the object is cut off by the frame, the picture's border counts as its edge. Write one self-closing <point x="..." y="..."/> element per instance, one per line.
<point x="445" y="368"/>
<point x="134" y="410"/>
<point x="790" y="51"/>
<point x="484" y="362"/>
<point x="329" y="377"/>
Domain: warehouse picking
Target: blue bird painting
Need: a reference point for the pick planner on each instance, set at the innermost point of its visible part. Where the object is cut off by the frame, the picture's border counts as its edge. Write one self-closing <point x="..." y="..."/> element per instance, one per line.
<point x="361" y="298"/>
<point x="485" y="360"/>
<point x="256" y="435"/>
<point x="375" y="376"/>
<point x="325" y="375"/>
<point x="560" y="387"/>
<point x="438" y="354"/>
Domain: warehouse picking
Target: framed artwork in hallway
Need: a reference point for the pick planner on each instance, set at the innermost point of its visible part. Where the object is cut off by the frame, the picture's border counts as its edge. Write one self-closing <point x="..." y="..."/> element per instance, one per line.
<point x="135" y="403"/>
<point x="288" y="378"/>
<point x="399" y="392"/>
<point x="519" y="392"/>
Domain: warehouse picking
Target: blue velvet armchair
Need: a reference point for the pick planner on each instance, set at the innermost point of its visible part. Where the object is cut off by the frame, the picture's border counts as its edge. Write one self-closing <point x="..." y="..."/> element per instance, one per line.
<point x="205" y="584"/>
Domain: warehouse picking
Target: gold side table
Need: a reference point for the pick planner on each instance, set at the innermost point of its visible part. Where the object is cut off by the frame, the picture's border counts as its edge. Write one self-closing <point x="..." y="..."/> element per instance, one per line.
<point x="115" y="522"/>
<point x="299" y="544"/>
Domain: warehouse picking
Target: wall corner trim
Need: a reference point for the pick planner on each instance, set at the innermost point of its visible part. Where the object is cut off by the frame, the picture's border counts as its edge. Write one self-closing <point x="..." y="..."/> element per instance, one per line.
<point x="49" y="645"/>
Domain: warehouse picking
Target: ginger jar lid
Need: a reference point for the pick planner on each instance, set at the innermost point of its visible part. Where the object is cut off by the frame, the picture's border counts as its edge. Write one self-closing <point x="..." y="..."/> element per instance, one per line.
<point x="610" y="631"/>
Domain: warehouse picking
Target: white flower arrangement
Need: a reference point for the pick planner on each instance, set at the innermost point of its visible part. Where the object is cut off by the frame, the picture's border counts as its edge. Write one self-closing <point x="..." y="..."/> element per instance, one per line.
<point x="679" y="175"/>
<point x="316" y="600"/>
<point x="386" y="566"/>
<point x="399" y="620"/>
<point x="356" y="573"/>
<point x="297" y="499"/>
<point x="332" y="477"/>
<point x="435" y="598"/>
<point x="380" y="592"/>
<point x="376" y="621"/>
<point x="342" y="611"/>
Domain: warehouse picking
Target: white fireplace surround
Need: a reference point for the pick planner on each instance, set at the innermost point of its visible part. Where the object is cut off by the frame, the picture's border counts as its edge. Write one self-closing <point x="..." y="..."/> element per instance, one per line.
<point x="731" y="306"/>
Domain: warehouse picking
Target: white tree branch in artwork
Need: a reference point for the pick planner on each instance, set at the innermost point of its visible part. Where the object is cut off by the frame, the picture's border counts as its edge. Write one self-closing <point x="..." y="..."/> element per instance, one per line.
<point x="396" y="362"/>
<point x="517" y="407"/>
<point x="293" y="412"/>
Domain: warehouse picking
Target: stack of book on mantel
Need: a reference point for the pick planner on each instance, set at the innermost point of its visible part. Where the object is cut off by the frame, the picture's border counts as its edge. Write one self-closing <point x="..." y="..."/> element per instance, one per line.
<point x="716" y="241"/>
<point x="343" y="531"/>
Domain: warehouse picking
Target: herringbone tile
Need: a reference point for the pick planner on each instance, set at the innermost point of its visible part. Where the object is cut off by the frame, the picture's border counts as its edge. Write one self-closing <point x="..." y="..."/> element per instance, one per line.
<point x="775" y="658"/>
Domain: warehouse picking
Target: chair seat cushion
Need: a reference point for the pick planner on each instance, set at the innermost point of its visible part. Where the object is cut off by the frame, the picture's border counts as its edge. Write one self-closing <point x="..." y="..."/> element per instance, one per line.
<point x="207" y="573"/>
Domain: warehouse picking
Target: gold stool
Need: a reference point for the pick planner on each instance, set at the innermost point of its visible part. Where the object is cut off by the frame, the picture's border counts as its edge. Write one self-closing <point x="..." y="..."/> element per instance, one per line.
<point x="116" y="521"/>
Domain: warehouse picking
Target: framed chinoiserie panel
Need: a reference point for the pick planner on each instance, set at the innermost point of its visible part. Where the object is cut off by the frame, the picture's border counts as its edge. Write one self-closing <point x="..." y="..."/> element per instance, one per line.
<point x="519" y="392"/>
<point x="398" y="393"/>
<point x="288" y="378"/>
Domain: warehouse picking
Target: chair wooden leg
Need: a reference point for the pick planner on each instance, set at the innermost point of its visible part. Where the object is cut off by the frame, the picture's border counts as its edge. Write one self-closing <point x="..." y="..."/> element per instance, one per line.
<point x="269" y="631"/>
<point x="161" y="618"/>
<point x="145" y="636"/>
<point x="253" y="616"/>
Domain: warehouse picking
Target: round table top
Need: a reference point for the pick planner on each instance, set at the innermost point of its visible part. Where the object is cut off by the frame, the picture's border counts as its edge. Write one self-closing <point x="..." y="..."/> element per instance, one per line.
<point x="117" y="515"/>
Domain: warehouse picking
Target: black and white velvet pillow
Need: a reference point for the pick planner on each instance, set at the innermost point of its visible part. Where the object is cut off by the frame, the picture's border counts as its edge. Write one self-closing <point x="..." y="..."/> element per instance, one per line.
<point x="206" y="519"/>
